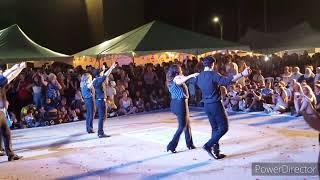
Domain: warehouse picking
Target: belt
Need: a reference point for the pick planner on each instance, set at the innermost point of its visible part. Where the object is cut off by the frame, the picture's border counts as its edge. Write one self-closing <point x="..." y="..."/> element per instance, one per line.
<point x="179" y="99"/>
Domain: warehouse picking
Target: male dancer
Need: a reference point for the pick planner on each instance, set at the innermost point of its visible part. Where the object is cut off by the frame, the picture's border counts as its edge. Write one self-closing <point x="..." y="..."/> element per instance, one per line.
<point x="209" y="81"/>
<point x="86" y="86"/>
<point x="5" y="78"/>
<point x="98" y="82"/>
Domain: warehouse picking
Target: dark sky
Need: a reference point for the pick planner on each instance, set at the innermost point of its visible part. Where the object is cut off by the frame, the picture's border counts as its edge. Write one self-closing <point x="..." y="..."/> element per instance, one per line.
<point x="62" y="25"/>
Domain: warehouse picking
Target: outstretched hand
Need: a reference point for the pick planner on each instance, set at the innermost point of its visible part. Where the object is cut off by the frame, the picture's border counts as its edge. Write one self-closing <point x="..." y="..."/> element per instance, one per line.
<point x="23" y="65"/>
<point x="246" y="72"/>
<point x="114" y="64"/>
<point x="194" y="75"/>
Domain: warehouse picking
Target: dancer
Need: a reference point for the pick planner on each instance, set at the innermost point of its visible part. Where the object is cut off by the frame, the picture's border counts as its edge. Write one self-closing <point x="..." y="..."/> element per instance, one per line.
<point x="209" y="81"/>
<point x="86" y="86"/>
<point x="312" y="117"/>
<point x="5" y="78"/>
<point x="179" y="105"/>
<point x="98" y="82"/>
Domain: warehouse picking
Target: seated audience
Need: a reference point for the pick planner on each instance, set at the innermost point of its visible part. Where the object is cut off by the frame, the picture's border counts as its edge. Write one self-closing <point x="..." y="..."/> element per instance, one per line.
<point x="126" y="105"/>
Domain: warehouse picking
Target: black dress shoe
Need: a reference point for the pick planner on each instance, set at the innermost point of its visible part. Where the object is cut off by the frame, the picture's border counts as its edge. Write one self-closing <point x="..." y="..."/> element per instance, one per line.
<point x="219" y="156"/>
<point x="216" y="152"/>
<point x="103" y="136"/>
<point x="191" y="147"/>
<point x="14" y="157"/>
<point x="172" y="150"/>
<point x="90" y="132"/>
<point x="2" y="153"/>
<point x="209" y="150"/>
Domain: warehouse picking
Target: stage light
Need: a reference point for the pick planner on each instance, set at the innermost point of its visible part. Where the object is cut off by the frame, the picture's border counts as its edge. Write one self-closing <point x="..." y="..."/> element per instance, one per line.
<point x="216" y="19"/>
<point x="266" y="58"/>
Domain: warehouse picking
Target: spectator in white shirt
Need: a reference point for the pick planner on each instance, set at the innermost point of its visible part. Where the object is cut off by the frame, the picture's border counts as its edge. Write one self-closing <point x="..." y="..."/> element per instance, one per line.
<point x="286" y="76"/>
<point x="296" y="74"/>
<point x="317" y="76"/>
<point x="111" y="90"/>
<point x="258" y="78"/>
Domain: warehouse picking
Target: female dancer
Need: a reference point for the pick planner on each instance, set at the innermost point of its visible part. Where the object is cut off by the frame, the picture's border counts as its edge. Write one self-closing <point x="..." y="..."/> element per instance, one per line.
<point x="179" y="105"/>
<point x="5" y="78"/>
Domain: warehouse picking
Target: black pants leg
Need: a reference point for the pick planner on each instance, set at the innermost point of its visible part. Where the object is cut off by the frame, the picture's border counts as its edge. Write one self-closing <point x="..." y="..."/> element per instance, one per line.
<point x="101" y="107"/>
<point x="187" y="130"/>
<point x="1" y="143"/>
<point x="89" y="119"/>
<point x="179" y="108"/>
<point x="319" y="158"/>
<point x="218" y="121"/>
<point x="6" y="135"/>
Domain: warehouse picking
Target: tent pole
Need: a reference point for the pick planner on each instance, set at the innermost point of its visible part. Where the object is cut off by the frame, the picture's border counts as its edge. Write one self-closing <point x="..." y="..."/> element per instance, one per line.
<point x="132" y="57"/>
<point x="98" y="59"/>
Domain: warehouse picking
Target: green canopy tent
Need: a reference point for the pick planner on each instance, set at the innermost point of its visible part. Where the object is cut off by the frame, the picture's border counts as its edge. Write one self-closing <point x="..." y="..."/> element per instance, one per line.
<point x="157" y="37"/>
<point x="302" y="36"/>
<point x="15" y="46"/>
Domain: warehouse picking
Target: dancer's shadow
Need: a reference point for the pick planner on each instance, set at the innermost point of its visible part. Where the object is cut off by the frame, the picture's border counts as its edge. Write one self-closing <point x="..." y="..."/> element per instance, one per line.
<point x="178" y="170"/>
<point x="57" y="144"/>
<point x="275" y="121"/>
<point x="112" y="168"/>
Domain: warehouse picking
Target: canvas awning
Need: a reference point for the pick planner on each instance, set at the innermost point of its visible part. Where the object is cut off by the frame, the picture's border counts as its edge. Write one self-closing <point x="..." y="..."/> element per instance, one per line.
<point x="15" y="45"/>
<point x="157" y="37"/>
<point x="302" y="36"/>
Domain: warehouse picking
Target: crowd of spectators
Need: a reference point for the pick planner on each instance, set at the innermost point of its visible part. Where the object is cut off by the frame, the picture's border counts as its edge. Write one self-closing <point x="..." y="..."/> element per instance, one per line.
<point x="51" y="94"/>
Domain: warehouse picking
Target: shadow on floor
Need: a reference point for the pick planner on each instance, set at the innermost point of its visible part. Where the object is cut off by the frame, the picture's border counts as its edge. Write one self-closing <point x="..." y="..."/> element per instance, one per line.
<point x="112" y="168"/>
<point x="175" y="171"/>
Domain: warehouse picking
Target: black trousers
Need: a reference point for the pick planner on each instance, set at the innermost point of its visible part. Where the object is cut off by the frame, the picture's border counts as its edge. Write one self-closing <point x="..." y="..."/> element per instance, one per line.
<point x="218" y="121"/>
<point x="5" y="136"/>
<point x="181" y="110"/>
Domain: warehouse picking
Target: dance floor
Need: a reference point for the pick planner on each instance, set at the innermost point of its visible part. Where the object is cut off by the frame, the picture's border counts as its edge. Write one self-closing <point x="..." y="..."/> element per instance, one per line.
<point x="137" y="149"/>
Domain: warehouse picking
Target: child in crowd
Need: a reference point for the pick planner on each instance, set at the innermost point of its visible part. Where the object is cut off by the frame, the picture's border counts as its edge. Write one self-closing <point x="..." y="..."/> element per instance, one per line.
<point x="76" y="107"/>
<point x="225" y="97"/>
<point x="27" y="115"/>
<point x="162" y="99"/>
<point x="29" y="119"/>
<point x="111" y="107"/>
<point x="63" y="111"/>
<point x="126" y="105"/>
<point x="153" y="97"/>
<point x="279" y="100"/>
<point x="139" y="103"/>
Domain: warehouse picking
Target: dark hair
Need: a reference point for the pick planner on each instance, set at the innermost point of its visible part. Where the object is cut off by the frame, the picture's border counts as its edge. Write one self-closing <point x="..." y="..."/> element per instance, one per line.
<point x="208" y="61"/>
<point x="173" y="71"/>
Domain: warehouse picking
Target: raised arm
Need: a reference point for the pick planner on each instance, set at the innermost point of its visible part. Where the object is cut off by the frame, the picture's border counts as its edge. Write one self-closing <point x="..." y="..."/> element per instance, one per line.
<point x="110" y="69"/>
<point x="182" y="79"/>
<point x="43" y="81"/>
<point x="246" y="72"/>
<point x="14" y="71"/>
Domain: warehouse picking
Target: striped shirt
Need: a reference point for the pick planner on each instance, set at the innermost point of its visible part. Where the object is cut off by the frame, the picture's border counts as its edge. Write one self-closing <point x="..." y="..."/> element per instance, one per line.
<point x="178" y="91"/>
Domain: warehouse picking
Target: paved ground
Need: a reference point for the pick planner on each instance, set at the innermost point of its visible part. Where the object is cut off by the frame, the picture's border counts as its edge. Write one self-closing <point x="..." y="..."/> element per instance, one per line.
<point x="137" y="149"/>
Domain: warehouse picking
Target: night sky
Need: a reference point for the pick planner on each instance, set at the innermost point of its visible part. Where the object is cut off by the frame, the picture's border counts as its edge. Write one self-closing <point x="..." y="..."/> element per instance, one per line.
<point x="62" y="25"/>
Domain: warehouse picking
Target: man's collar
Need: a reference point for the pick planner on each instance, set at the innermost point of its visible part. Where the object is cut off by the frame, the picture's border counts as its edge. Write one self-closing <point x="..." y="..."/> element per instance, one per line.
<point x="207" y="69"/>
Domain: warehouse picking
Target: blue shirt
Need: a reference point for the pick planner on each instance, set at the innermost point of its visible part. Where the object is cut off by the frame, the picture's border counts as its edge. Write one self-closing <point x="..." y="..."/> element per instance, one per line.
<point x="98" y="86"/>
<point x="178" y="91"/>
<point x="53" y="95"/>
<point x="266" y="91"/>
<point x="209" y="82"/>
<point x="86" y="92"/>
<point x="318" y="99"/>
